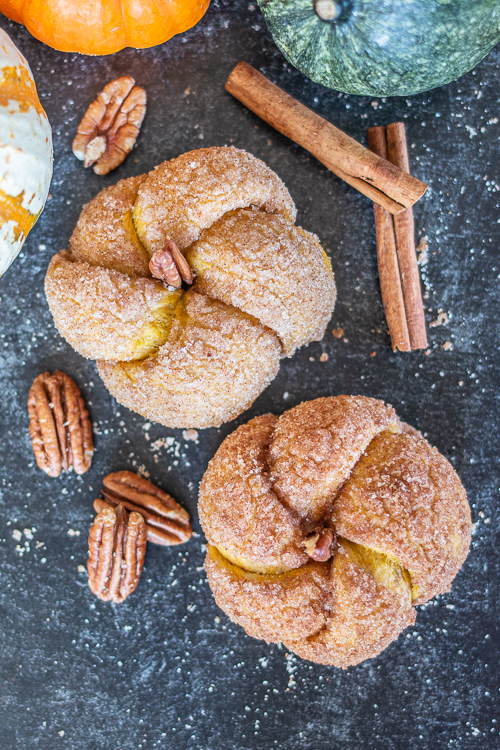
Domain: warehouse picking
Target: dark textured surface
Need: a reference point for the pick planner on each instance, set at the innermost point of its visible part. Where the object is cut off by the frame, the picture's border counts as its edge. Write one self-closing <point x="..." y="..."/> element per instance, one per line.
<point x="166" y="668"/>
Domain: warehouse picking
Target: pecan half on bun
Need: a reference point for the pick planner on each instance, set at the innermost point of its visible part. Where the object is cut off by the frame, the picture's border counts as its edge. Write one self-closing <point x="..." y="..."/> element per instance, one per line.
<point x="328" y="524"/>
<point x="197" y="355"/>
<point x="60" y="429"/>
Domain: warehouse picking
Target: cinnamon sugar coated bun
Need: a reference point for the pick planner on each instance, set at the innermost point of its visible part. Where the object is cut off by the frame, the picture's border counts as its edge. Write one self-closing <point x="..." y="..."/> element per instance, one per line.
<point x="344" y="469"/>
<point x="198" y="356"/>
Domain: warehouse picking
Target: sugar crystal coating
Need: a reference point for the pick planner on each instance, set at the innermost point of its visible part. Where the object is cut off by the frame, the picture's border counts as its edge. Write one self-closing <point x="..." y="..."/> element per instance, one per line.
<point x="214" y="363"/>
<point x="295" y="293"/>
<point x="183" y="196"/>
<point x="104" y="313"/>
<point x="105" y="233"/>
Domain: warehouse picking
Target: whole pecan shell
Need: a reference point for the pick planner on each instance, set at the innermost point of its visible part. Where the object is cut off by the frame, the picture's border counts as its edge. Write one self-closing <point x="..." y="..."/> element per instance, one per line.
<point x="59" y="426"/>
<point x="166" y="522"/>
<point x="110" y="126"/>
<point x="117" y="546"/>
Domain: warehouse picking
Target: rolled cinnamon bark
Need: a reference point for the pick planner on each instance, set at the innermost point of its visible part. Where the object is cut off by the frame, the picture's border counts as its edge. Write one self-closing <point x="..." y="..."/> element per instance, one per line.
<point x="375" y="177"/>
<point x="388" y="267"/>
<point x="397" y="151"/>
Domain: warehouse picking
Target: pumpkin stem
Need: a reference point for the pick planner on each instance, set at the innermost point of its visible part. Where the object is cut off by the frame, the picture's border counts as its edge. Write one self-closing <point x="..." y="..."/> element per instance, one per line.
<point x="327" y="10"/>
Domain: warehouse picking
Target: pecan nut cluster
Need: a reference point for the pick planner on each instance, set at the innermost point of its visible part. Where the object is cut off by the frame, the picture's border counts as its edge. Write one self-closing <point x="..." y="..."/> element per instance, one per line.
<point x="110" y="126"/>
<point x="132" y="512"/>
<point x="59" y="425"/>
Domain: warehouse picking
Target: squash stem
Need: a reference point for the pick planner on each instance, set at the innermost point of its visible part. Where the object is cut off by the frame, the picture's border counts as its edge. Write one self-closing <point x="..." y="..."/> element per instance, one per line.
<point x="327" y="10"/>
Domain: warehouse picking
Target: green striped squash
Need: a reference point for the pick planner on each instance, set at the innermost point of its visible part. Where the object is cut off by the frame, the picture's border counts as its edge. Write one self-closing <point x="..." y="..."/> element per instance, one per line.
<point x="383" y="47"/>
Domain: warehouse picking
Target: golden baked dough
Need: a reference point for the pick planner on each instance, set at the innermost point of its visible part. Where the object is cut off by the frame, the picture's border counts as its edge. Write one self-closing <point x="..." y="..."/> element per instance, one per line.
<point x="293" y="294"/>
<point x="105" y="234"/>
<point x="403" y="499"/>
<point x="345" y="464"/>
<point x="370" y="605"/>
<point x="183" y="196"/>
<point x="264" y="287"/>
<point x="269" y="605"/>
<point x="215" y="362"/>
<point x="104" y="313"/>
<point x="238" y="504"/>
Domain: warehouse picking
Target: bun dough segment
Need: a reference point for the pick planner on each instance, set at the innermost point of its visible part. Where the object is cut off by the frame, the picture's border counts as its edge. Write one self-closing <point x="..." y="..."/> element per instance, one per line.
<point x="263" y="287"/>
<point x="394" y="505"/>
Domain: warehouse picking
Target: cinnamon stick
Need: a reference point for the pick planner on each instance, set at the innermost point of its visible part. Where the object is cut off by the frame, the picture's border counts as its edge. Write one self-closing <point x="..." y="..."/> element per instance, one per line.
<point x="375" y="177"/>
<point x="397" y="151"/>
<point x="387" y="257"/>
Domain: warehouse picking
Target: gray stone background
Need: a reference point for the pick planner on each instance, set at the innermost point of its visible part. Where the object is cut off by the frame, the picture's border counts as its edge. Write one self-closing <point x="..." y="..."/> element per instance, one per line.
<point x="167" y="668"/>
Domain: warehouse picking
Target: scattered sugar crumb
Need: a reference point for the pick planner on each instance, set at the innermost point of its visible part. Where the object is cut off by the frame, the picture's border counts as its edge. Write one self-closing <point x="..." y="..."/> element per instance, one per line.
<point x="190" y="435"/>
<point x="422" y="254"/>
<point x="338" y="332"/>
<point x="442" y="319"/>
<point x="291" y="668"/>
<point x="158" y="444"/>
<point x="447" y="346"/>
<point x="143" y="471"/>
<point x="324" y="357"/>
<point x="73" y="532"/>
<point x="81" y="569"/>
<point x="17" y="535"/>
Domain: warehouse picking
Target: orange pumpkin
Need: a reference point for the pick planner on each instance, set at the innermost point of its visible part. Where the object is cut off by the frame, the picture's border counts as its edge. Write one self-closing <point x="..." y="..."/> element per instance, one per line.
<point x="101" y="27"/>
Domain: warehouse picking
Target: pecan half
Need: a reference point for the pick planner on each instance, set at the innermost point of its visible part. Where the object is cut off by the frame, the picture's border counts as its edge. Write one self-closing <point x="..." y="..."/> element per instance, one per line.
<point x="170" y="265"/>
<point x="117" y="545"/>
<point x="319" y="545"/>
<point x="60" y="429"/>
<point x="166" y="522"/>
<point x="110" y="126"/>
